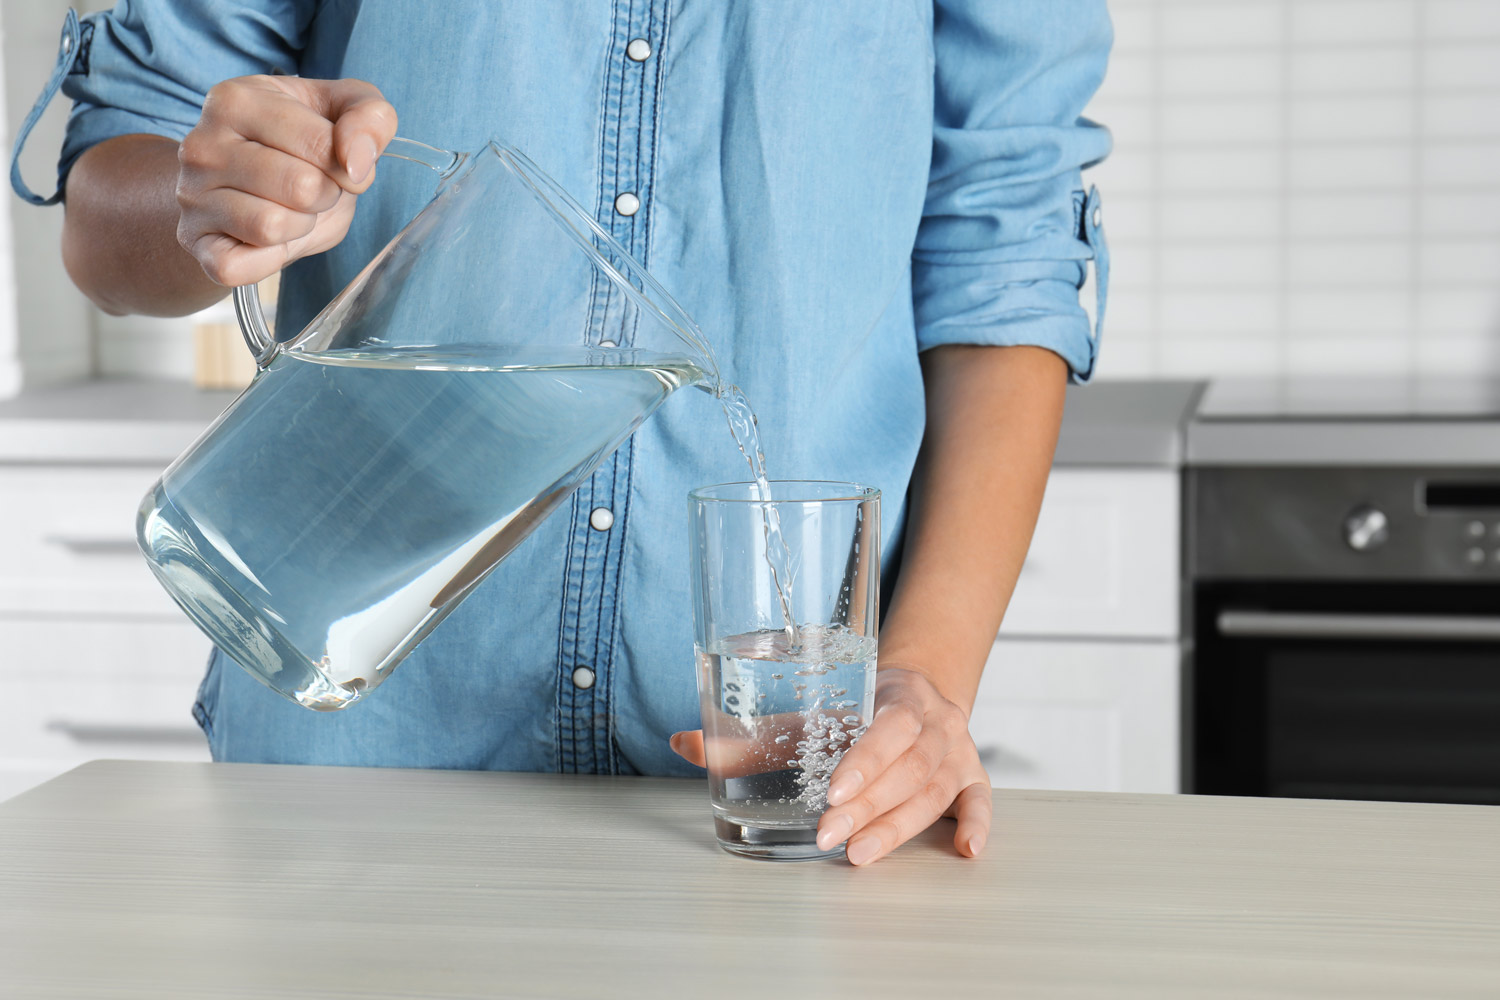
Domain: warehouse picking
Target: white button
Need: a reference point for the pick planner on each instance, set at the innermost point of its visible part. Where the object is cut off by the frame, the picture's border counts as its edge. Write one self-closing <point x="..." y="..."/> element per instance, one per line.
<point x="606" y="343"/>
<point x="1098" y="217"/>
<point x="601" y="519"/>
<point x="1476" y="529"/>
<point x="1475" y="556"/>
<point x="639" y="50"/>
<point x="583" y="678"/>
<point x="627" y="204"/>
<point x="67" y="44"/>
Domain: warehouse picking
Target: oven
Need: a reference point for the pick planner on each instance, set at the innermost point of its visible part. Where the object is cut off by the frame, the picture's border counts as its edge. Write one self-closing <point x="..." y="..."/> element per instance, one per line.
<point x="1346" y="633"/>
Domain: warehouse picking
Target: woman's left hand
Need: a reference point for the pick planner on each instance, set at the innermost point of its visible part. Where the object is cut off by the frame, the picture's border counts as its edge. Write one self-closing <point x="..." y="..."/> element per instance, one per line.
<point x="915" y="764"/>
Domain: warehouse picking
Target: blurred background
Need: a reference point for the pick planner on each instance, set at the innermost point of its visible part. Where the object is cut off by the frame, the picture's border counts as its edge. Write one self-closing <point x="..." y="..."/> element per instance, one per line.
<point x="1298" y="187"/>
<point x="1270" y="550"/>
<point x="1303" y="187"/>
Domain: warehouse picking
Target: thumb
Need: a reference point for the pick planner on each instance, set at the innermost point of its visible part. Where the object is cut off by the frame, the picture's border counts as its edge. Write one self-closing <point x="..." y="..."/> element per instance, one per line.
<point x="689" y="746"/>
<point x="363" y="123"/>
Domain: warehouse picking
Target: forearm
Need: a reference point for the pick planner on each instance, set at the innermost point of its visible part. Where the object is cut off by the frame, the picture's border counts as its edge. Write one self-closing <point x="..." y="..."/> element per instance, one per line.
<point x="120" y="233"/>
<point x="992" y="420"/>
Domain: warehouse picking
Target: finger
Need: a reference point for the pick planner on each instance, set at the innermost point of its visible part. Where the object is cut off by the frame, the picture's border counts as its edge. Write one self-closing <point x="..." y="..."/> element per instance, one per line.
<point x="736" y="746"/>
<point x="689" y="746"/>
<point x="273" y="111"/>
<point x="360" y="133"/>
<point x="974" y="808"/>
<point x="298" y="117"/>
<point x="909" y="775"/>
<point x="278" y="177"/>
<point x="231" y="263"/>
<point x="363" y="123"/>
<point x="246" y="218"/>
<point x="896" y="726"/>
<point x="892" y="829"/>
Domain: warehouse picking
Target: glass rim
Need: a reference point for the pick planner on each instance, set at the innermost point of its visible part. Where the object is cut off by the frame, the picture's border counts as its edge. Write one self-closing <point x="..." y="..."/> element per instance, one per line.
<point x="841" y="492"/>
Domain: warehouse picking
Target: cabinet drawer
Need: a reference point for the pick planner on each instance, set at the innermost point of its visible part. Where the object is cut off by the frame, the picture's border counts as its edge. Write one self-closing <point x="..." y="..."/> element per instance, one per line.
<point x="1104" y="559"/>
<point x="1081" y="716"/>
<point x="70" y="542"/>
<point x="76" y="690"/>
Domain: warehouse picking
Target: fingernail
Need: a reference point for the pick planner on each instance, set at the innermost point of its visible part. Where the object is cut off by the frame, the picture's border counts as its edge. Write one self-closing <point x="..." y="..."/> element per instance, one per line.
<point x="844" y="787"/>
<point x="837" y="829"/>
<point x="361" y="160"/>
<point x="863" y="850"/>
<point x="976" y="844"/>
<point x="675" y="742"/>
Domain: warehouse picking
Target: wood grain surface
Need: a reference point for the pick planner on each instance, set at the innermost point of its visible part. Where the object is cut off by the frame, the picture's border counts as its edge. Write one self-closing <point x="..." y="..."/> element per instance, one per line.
<point x="135" y="880"/>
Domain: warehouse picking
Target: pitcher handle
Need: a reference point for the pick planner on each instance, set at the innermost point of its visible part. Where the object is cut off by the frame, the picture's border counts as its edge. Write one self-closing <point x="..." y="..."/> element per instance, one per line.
<point x="247" y="308"/>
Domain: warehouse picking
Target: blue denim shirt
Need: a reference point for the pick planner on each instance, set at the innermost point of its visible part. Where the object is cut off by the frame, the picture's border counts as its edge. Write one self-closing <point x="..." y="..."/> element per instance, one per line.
<point x="828" y="188"/>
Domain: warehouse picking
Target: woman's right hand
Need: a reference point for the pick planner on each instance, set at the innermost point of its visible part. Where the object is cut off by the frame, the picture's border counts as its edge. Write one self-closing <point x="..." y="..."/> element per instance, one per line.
<point x="271" y="171"/>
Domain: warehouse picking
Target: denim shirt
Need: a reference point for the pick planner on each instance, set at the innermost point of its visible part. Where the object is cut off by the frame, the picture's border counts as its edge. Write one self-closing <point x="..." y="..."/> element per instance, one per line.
<point x="828" y="188"/>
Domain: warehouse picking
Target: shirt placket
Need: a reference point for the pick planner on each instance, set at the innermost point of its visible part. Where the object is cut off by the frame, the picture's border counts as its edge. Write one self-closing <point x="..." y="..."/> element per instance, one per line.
<point x="601" y="507"/>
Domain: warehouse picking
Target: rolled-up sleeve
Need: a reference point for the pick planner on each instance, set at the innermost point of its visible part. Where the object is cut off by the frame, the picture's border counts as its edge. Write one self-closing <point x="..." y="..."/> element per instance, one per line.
<point x="147" y="65"/>
<point x="1006" y="234"/>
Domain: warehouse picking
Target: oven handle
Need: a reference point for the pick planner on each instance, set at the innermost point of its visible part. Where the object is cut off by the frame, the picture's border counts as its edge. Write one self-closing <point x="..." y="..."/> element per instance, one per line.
<point x="1300" y="625"/>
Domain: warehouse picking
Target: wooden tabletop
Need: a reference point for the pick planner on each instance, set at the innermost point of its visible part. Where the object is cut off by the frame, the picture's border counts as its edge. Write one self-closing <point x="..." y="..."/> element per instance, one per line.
<point x="124" y="879"/>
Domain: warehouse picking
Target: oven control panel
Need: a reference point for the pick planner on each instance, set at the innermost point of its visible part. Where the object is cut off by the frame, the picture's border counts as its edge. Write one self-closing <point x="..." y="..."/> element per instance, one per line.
<point x="1335" y="523"/>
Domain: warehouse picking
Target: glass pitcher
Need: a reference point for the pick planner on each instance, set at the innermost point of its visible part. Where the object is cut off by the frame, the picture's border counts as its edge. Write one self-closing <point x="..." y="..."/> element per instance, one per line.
<point x="385" y="459"/>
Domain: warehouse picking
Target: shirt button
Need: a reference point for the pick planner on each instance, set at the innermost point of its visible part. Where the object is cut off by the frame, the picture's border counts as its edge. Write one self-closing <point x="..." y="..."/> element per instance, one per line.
<point x="639" y="50"/>
<point x="627" y="203"/>
<point x="607" y="343"/>
<point x="601" y="519"/>
<point x="583" y="678"/>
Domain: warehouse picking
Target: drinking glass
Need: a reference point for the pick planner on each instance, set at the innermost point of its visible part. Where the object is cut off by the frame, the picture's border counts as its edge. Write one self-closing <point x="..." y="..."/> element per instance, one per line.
<point x="782" y="700"/>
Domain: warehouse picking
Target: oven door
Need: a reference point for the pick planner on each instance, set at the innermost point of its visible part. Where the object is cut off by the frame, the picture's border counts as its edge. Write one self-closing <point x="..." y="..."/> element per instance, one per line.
<point x="1347" y="691"/>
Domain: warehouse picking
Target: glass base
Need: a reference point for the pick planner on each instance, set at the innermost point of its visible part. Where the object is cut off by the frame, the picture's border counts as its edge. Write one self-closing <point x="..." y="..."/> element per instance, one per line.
<point x="772" y="843"/>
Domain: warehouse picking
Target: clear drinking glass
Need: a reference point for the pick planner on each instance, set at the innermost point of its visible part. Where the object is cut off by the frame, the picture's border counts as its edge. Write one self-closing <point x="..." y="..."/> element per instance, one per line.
<point x="782" y="701"/>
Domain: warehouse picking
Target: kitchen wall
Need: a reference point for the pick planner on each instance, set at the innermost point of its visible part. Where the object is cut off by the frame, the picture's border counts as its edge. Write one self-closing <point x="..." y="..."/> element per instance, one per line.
<point x="1303" y="187"/>
<point x="1299" y="187"/>
<point x="46" y="327"/>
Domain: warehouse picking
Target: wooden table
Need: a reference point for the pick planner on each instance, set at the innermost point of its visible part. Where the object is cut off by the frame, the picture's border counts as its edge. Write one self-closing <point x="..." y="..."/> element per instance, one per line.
<point x="125" y="879"/>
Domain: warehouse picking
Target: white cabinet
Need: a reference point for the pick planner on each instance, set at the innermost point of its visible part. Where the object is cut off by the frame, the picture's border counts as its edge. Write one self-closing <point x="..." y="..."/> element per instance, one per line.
<point x="1104" y="557"/>
<point x="1094" y="716"/>
<point x="1082" y="688"/>
<point x="95" y="659"/>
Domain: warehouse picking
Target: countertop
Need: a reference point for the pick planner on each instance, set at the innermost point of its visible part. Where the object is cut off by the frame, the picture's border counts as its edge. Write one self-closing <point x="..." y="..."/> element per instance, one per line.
<point x="125" y="879"/>
<point x="1453" y="421"/>
<point x="115" y="420"/>
<point x="1127" y="423"/>
<point x="1118" y="423"/>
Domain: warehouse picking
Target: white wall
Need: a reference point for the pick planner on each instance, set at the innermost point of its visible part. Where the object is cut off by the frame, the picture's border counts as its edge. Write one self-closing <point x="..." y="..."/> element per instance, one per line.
<point x="1303" y="187"/>
<point x="53" y="322"/>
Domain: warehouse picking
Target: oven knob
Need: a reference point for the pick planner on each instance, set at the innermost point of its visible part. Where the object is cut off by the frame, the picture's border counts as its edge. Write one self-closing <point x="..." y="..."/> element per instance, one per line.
<point x="1366" y="528"/>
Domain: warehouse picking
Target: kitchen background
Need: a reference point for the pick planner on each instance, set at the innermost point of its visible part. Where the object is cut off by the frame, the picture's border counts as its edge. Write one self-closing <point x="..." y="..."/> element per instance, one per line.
<point x="1299" y="188"/>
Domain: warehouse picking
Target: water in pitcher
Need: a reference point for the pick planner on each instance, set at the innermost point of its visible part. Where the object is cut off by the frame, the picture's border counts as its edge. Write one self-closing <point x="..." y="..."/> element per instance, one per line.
<point x="348" y="445"/>
<point x="777" y="720"/>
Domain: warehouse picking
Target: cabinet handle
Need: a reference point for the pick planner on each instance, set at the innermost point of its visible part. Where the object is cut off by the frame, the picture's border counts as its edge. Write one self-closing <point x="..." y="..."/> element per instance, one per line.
<point x="123" y="732"/>
<point x="1298" y="625"/>
<point x="95" y="545"/>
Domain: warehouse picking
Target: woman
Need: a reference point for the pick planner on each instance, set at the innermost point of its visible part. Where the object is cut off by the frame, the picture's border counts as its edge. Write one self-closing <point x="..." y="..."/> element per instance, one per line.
<point x="874" y="209"/>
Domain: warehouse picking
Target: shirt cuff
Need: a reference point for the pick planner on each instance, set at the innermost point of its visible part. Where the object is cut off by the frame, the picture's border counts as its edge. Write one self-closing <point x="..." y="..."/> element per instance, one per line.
<point x="982" y="304"/>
